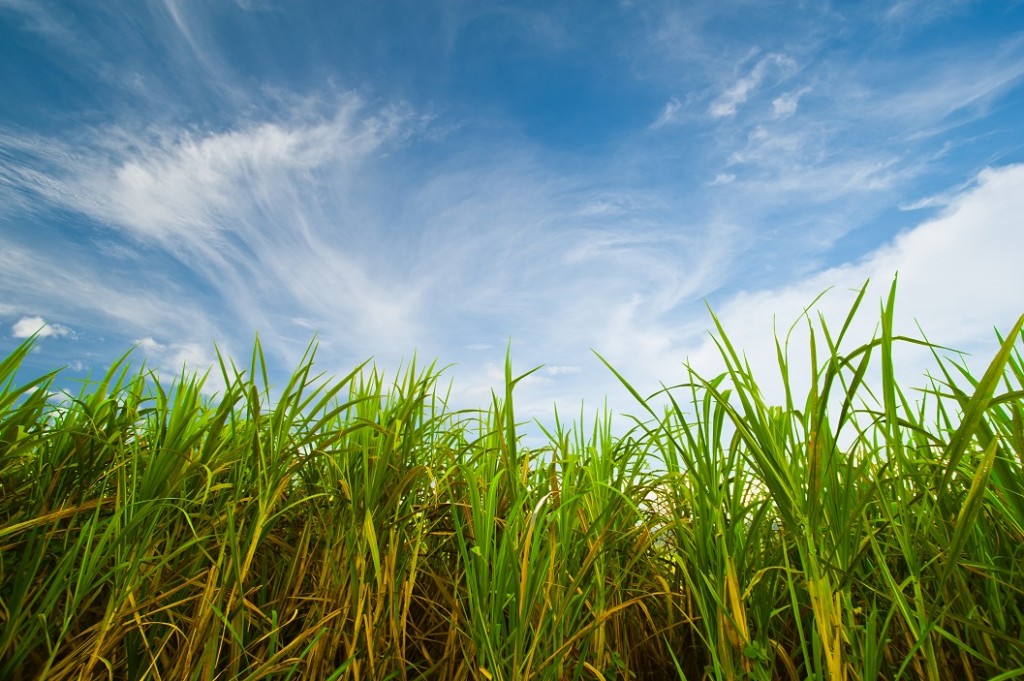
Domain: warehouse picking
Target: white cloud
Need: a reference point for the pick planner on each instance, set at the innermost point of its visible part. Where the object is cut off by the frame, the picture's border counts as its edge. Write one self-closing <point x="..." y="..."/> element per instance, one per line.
<point x="926" y="202"/>
<point x="40" y="19"/>
<point x="557" y="370"/>
<point x="669" y="114"/>
<point x="959" y="277"/>
<point x="290" y="226"/>
<point x="26" y="326"/>
<point x="296" y="220"/>
<point x="115" y="250"/>
<point x="830" y="158"/>
<point x="958" y="82"/>
<point x="253" y="5"/>
<point x="170" y="360"/>
<point x="941" y="199"/>
<point x="598" y="208"/>
<point x="809" y="162"/>
<point x="727" y="103"/>
<point x="918" y="13"/>
<point x="766" y="144"/>
<point x="176" y="355"/>
<point x="786" y="105"/>
<point x="266" y="216"/>
<point x="84" y="293"/>
<point x="180" y="191"/>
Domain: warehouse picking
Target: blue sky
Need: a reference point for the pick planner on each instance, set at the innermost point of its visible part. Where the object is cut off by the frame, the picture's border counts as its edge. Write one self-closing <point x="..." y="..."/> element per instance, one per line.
<point x="439" y="178"/>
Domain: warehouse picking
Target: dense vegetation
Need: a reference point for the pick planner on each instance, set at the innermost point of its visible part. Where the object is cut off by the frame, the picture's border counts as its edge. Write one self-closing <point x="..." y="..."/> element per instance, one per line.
<point x="354" y="528"/>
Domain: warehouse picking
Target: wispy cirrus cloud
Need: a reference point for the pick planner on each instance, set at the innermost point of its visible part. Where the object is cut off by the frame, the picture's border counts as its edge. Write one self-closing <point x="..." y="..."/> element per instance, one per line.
<point x="69" y="284"/>
<point x="797" y="157"/>
<point x="177" y="191"/>
<point x="669" y="114"/>
<point x="208" y="173"/>
<point x="786" y="105"/>
<point x="919" y="13"/>
<point x="253" y="211"/>
<point x="730" y="100"/>
<point x="40" y="19"/>
<point x="298" y="216"/>
<point x="975" y="239"/>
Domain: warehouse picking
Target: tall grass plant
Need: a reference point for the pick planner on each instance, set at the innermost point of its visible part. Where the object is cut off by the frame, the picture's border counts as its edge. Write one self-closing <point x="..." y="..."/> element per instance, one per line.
<point x="359" y="528"/>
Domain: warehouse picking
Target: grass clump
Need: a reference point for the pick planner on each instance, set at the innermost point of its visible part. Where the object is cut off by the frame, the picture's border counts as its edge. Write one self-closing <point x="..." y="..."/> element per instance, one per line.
<point x="355" y="528"/>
